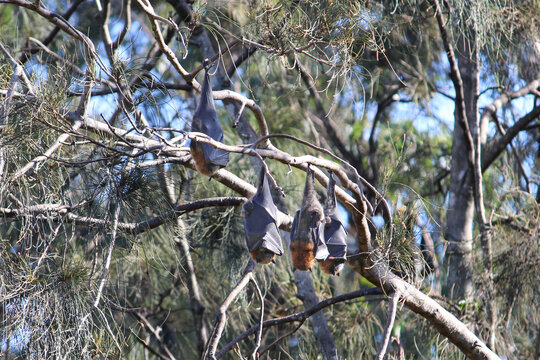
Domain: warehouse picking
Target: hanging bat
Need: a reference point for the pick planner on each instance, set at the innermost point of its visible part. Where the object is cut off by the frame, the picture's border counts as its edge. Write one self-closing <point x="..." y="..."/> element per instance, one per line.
<point x="207" y="158"/>
<point x="307" y="244"/>
<point x="260" y="224"/>
<point x="335" y="235"/>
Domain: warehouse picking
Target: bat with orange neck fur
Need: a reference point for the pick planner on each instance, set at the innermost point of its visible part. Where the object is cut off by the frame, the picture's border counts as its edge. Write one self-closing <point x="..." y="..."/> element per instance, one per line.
<point x="260" y="224"/>
<point x="207" y="158"/>
<point x="335" y="235"/>
<point x="307" y="244"/>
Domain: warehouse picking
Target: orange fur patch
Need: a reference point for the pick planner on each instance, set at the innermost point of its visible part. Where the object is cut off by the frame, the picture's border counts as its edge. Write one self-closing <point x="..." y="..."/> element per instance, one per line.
<point x="262" y="258"/>
<point x="326" y="265"/>
<point x="302" y="254"/>
<point x="198" y="156"/>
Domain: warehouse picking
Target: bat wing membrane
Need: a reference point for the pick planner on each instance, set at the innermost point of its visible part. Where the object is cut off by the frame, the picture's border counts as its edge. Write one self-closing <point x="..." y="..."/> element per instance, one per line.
<point x="261" y="220"/>
<point x="205" y="120"/>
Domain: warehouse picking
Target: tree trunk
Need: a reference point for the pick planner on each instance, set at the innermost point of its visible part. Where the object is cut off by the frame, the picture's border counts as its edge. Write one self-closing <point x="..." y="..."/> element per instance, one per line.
<point x="459" y="220"/>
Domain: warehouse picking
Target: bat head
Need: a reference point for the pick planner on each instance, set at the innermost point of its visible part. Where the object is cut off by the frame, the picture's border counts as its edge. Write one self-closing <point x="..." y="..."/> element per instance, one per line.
<point x="332" y="266"/>
<point x="202" y="162"/>
<point x="263" y="256"/>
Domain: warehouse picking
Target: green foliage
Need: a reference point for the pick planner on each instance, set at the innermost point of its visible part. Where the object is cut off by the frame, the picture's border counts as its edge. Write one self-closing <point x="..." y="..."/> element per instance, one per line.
<point x="370" y="64"/>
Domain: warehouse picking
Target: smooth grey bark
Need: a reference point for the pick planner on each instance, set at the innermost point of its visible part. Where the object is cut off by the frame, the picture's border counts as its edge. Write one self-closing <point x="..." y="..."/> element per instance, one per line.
<point x="460" y="215"/>
<point x="306" y="293"/>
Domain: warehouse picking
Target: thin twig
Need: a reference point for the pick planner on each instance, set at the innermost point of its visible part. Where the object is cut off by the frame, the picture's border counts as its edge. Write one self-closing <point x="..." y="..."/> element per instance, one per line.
<point x="221" y="316"/>
<point x="254" y="354"/>
<point x="64" y="214"/>
<point x="302" y="316"/>
<point x="392" y="310"/>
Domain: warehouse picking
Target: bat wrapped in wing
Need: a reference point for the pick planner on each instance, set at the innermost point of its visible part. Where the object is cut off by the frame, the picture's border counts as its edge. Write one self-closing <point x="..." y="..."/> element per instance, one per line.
<point x="307" y="243"/>
<point x="260" y="223"/>
<point x="335" y="235"/>
<point x="207" y="158"/>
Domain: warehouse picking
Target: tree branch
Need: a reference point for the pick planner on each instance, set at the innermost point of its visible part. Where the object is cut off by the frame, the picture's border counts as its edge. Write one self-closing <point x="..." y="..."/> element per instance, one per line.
<point x="65" y="214"/>
<point x="221" y="317"/>
<point x="392" y="310"/>
<point x="380" y="275"/>
<point x="188" y="77"/>
<point x="254" y="354"/>
<point x="301" y="317"/>
<point x="490" y="111"/>
<point x="497" y="147"/>
<point x="26" y="54"/>
<point x="455" y="75"/>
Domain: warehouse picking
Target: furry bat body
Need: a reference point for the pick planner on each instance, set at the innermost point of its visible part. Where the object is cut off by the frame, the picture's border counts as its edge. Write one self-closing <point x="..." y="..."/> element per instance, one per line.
<point x="307" y="244"/>
<point x="207" y="159"/>
<point x="260" y="223"/>
<point x="335" y="235"/>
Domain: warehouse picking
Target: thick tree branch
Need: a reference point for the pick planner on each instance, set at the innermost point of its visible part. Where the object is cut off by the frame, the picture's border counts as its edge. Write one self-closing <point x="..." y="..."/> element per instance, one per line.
<point x="490" y="111"/>
<point x="379" y="274"/>
<point x="497" y="147"/>
<point x="321" y="330"/>
<point x="301" y="317"/>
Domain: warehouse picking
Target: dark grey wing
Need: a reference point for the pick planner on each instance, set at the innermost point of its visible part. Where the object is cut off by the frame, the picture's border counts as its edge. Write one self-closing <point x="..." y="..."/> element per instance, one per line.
<point x="263" y="196"/>
<point x="215" y="156"/>
<point x="262" y="231"/>
<point x="335" y="237"/>
<point x="294" y="223"/>
<point x="321" y="248"/>
<point x="260" y="222"/>
<point x="205" y="120"/>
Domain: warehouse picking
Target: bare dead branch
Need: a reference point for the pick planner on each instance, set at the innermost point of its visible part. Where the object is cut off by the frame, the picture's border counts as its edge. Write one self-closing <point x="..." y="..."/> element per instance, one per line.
<point x="63" y="213"/>
<point x="301" y="317"/>
<point x="392" y="310"/>
<point x="221" y="317"/>
<point x="490" y="111"/>
<point x="254" y="353"/>
<point x="498" y="146"/>
<point x="455" y="75"/>
<point x="26" y="55"/>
